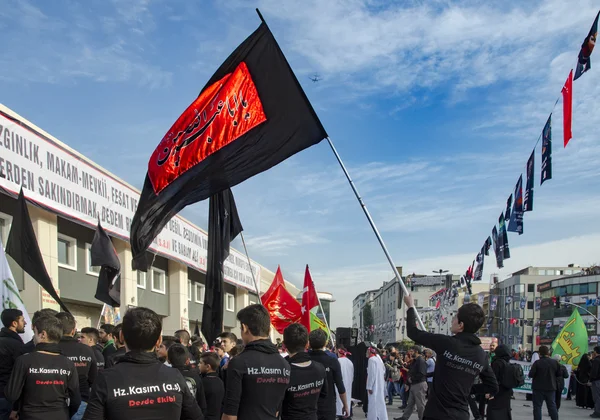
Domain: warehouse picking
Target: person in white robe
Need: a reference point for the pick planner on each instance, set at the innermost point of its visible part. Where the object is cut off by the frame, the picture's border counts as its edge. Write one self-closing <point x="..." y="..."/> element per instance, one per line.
<point x="376" y="388"/>
<point x="347" y="377"/>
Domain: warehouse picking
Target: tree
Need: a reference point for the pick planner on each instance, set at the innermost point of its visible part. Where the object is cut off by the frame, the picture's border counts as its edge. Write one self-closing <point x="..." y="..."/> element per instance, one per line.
<point x="367" y="316"/>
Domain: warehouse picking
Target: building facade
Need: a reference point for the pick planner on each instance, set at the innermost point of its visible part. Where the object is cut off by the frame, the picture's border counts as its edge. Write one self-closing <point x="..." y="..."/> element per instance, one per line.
<point x="68" y="194"/>
<point x="577" y="292"/>
<point x="512" y="305"/>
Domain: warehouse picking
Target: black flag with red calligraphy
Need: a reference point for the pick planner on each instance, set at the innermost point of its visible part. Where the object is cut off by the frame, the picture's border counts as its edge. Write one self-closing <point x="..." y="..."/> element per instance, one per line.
<point x="251" y="115"/>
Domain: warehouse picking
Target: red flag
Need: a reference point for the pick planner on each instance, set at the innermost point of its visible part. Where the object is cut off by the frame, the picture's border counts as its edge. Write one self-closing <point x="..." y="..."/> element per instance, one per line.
<point x="567" y="92"/>
<point x="309" y="299"/>
<point x="283" y="308"/>
<point x="277" y="281"/>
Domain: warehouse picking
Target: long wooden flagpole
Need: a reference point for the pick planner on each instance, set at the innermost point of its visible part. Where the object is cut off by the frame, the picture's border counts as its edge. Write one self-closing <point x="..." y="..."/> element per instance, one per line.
<point x="366" y="211"/>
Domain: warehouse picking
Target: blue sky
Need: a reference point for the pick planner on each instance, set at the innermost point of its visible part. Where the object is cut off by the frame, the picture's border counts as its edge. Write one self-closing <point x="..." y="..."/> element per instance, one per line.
<point x="434" y="106"/>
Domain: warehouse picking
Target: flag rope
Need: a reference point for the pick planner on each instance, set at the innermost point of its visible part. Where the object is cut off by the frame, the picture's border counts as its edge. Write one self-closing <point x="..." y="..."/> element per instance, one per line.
<point x="250" y="265"/>
<point x="375" y="230"/>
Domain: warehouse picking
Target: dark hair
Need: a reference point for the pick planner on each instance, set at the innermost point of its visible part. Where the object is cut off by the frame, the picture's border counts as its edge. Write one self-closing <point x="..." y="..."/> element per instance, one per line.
<point x="43" y="312"/>
<point x="116" y="333"/>
<point x="198" y="342"/>
<point x="67" y="321"/>
<point x="295" y="337"/>
<point x="108" y="328"/>
<point x="177" y="355"/>
<point x="597" y="349"/>
<point x="92" y="333"/>
<point x="9" y="316"/>
<point x="211" y="360"/>
<point x="416" y="349"/>
<point x="51" y="325"/>
<point x="256" y="318"/>
<point x="141" y="329"/>
<point x="169" y="340"/>
<point x="229" y="335"/>
<point x="472" y="317"/>
<point x="544" y="351"/>
<point x="317" y="339"/>
<point x="183" y="336"/>
<point x="235" y="350"/>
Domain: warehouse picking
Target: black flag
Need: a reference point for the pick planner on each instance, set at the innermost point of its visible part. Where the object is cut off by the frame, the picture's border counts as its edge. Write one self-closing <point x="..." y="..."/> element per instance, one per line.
<point x="515" y="224"/>
<point x="23" y="247"/>
<point x="503" y="237"/>
<point x="487" y="245"/>
<point x="528" y="202"/>
<point x="104" y="256"/>
<point x="499" y="254"/>
<point x="223" y="226"/>
<point x="251" y="115"/>
<point x="584" y="63"/>
<point x="508" y="206"/>
<point x="547" y="151"/>
<point x="478" y="275"/>
<point x="197" y="330"/>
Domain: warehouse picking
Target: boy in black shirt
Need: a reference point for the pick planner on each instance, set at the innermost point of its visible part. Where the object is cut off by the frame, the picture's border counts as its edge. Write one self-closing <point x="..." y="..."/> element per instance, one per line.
<point x="179" y="358"/>
<point x="326" y="408"/>
<point x="11" y="347"/>
<point x="30" y="346"/>
<point x="44" y="384"/>
<point x="307" y="380"/>
<point x="139" y="386"/>
<point x="89" y="336"/>
<point x="460" y="359"/>
<point x="184" y="338"/>
<point x="82" y="356"/>
<point x="213" y="386"/>
<point x="258" y="377"/>
<point x="107" y="340"/>
<point x="114" y="357"/>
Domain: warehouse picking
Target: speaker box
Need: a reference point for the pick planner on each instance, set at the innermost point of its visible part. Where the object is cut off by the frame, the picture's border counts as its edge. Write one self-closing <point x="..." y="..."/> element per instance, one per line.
<point x="346" y="336"/>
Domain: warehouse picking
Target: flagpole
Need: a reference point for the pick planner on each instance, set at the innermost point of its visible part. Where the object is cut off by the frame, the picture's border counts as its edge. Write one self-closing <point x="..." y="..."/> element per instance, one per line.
<point x="323" y="312"/>
<point x="375" y="230"/>
<point x="250" y="265"/>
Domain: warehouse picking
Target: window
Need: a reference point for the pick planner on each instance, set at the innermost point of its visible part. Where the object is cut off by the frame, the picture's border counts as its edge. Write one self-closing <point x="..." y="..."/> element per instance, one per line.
<point x="568" y="272"/>
<point x="158" y="281"/>
<point x="541" y="272"/>
<point x="141" y="279"/>
<point x="199" y="293"/>
<point x="67" y="252"/>
<point x="89" y="269"/>
<point x="229" y="302"/>
<point x="189" y="290"/>
<point x="5" y="221"/>
<point x="531" y="288"/>
<point x="592" y="287"/>
<point x="530" y="304"/>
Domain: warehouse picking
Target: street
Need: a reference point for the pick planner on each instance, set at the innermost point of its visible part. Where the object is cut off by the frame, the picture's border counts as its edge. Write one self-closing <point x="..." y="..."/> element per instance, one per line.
<point x="521" y="410"/>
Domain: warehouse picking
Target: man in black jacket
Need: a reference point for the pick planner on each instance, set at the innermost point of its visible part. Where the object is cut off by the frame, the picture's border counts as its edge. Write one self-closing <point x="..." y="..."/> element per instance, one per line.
<point x="184" y="338"/>
<point x="90" y="336"/>
<point x="44" y="382"/>
<point x="308" y="377"/>
<point x="417" y="385"/>
<point x="258" y="377"/>
<point x="119" y="344"/>
<point x="30" y="346"/>
<point x="214" y="390"/>
<point x="544" y="373"/>
<point x="460" y="359"/>
<point x="107" y="339"/>
<point x="179" y="359"/>
<point x="81" y="355"/>
<point x="327" y="403"/>
<point x="11" y="347"/>
<point x="139" y="386"/>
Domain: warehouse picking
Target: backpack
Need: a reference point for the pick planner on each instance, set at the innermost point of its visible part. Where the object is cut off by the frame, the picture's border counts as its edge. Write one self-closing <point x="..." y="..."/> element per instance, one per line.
<point x="513" y="376"/>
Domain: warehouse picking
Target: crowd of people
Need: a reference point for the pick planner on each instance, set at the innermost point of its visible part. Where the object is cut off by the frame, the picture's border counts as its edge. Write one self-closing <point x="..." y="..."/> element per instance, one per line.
<point x="132" y="371"/>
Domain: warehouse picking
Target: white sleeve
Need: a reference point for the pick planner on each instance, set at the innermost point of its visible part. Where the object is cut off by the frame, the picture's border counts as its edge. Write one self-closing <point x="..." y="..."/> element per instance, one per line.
<point x="371" y="374"/>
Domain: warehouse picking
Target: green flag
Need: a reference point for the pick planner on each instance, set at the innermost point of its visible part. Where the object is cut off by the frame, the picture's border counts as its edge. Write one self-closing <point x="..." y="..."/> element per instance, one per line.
<point x="318" y="323"/>
<point x="572" y="341"/>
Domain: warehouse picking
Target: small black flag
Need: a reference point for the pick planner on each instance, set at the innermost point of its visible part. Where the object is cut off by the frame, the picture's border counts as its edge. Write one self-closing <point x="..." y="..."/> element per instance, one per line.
<point x="547" y="151"/>
<point x="251" y="115"/>
<point x="499" y="254"/>
<point x="584" y="62"/>
<point x="515" y="224"/>
<point x="223" y="226"/>
<point x="23" y="247"/>
<point x="503" y="236"/>
<point x="528" y="202"/>
<point x="487" y="245"/>
<point x="508" y="206"/>
<point x="104" y="256"/>
<point x="478" y="275"/>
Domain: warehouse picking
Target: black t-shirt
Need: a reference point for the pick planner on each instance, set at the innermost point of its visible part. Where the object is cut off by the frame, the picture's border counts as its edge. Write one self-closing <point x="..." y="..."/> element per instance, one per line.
<point x="99" y="357"/>
<point x="194" y="383"/>
<point x="45" y="386"/>
<point x="114" y="357"/>
<point x="326" y="405"/>
<point x="257" y="380"/>
<point x="140" y="387"/>
<point x="11" y="347"/>
<point x="85" y="361"/>
<point x="460" y="359"/>
<point x="307" y="383"/>
<point x="214" y="390"/>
